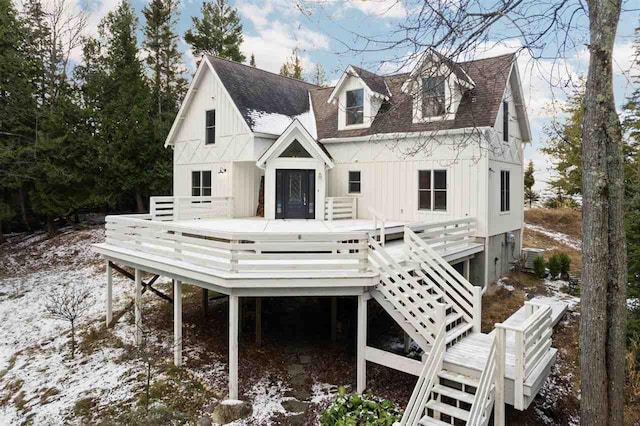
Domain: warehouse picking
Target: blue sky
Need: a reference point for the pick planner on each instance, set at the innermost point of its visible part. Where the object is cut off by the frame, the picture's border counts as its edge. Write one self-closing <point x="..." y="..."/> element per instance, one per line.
<point x="324" y="30"/>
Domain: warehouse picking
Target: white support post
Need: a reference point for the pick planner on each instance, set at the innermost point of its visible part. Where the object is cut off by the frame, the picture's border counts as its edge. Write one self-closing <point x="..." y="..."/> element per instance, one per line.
<point x="518" y="381"/>
<point x="109" y="293"/>
<point x="177" y="323"/>
<point x="465" y="269"/>
<point x="361" y="377"/>
<point x="499" y="411"/>
<point x="233" y="347"/>
<point x="354" y="208"/>
<point x="334" y="318"/>
<point x="138" y="305"/>
<point x="477" y="309"/>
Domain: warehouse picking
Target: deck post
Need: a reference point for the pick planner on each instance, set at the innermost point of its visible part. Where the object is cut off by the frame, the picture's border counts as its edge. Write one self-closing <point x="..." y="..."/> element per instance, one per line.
<point x="465" y="269"/>
<point x="477" y="309"/>
<point x="334" y="319"/>
<point x="498" y="417"/>
<point x="361" y="375"/>
<point x="258" y="321"/>
<point x="205" y="302"/>
<point x="233" y="347"/>
<point x="109" y="294"/>
<point x="177" y="323"/>
<point x="138" y="305"/>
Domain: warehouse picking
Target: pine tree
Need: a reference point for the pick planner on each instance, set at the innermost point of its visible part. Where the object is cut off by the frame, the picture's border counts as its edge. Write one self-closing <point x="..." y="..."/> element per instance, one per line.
<point x="252" y="61"/>
<point x="293" y="67"/>
<point x="529" y="180"/>
<point x="218" y="32"/>
<point x="318" y="77"/>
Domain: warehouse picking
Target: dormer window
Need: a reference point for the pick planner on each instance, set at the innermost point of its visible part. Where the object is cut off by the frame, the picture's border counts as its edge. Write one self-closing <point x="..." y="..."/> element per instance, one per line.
<point x="355" y="107"/>
<point x="433" y="96"/>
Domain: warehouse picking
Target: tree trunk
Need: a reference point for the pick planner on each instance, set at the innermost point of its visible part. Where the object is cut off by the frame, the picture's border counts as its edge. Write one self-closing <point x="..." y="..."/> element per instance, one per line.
<point x="602" y="326"/>
<point x="139" y="203"/>
<point x="23" y="209"/>
<point x="1" y="233"/>
<point x="51" y="226"/>
<point x="73" y="340"/>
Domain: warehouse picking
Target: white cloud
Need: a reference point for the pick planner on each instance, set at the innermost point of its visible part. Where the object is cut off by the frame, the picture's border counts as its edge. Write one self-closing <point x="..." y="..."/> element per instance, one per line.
<point x="380" y="8"/>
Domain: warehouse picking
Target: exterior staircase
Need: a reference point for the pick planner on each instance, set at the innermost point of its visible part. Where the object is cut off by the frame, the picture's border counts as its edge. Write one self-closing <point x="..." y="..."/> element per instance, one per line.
<point x="437" y="307"/>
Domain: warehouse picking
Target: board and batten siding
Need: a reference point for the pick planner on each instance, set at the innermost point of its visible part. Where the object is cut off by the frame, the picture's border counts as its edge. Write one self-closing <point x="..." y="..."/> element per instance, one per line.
<point x="389" y="180"/>
<point x="233" y="138"/>
<point x="245" y="187"/>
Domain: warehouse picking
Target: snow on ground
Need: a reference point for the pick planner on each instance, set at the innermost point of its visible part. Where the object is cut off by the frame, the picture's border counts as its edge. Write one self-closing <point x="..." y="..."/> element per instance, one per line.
<point x="558" y="236"/>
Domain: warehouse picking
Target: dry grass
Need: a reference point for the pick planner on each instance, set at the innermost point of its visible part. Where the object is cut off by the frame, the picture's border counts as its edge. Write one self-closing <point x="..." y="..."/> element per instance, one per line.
<point x="539" y="240"/>
<point x="567" y="221"/>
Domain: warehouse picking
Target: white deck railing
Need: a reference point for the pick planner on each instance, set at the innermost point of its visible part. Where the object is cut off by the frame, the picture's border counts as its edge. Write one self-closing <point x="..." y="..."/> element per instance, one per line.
<point x="242" y="251"/>
<point x="377" y="216"/>
<point x="422" y="392"/>
<point x="446" y="235"/>
<point x="166" y="209"/>
<point x="459" y="293"/>
<point x="532" y="341"/>
<point x="341" y="208"/>
<point x="486" y="392"/>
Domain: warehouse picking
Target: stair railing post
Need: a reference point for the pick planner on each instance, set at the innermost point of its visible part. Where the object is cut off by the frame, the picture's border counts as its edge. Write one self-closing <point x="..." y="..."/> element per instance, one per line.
<point x="477" y="309"/>
<point x="499" y="411"/>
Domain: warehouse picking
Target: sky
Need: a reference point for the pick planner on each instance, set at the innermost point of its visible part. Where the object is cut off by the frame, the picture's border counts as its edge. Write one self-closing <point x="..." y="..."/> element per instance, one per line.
<point x="324" y="31"/>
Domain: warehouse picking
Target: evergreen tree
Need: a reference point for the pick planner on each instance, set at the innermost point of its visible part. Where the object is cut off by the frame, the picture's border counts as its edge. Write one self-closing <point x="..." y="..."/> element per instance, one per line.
<point x="252" y="61"/>
<point x="529" y="180"/>
<point x="318" y="77"/>
<point x="218" y="32"/>
<point x="293" y="67"/>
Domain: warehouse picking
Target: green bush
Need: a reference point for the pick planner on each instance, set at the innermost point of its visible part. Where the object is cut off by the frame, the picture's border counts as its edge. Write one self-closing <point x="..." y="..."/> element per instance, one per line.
<point x="539" y="267"/>
<point x="554" y="266"/>
<point x="353" y="409"/>
<point x="565" y="264"/>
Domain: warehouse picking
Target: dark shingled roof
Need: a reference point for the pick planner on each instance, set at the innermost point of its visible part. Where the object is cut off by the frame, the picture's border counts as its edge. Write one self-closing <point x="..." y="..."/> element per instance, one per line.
<point x="478" y="108"/>
<point x="373" y="81"/>
<point x="253" y="89"/>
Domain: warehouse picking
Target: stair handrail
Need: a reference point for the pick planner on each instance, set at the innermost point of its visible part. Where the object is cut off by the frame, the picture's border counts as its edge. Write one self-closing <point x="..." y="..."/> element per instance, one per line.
<point x="394" y="267"/>
<point x="486" y="393"/>
<point x="471" y="294"/>
<point x="377" y="216"/>
<point x="422" y="391"/>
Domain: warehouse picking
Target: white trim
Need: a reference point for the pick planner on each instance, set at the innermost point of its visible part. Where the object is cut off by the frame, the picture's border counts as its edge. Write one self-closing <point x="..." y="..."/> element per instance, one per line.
<point x="428" y="54"/>
<point x="351" y="72"/>
<point x="399" y="135"/>
<point x="283" y="139"/>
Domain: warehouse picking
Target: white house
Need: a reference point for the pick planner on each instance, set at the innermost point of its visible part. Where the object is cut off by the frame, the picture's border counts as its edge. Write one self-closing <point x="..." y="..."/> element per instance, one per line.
<point x="406" y="189"/>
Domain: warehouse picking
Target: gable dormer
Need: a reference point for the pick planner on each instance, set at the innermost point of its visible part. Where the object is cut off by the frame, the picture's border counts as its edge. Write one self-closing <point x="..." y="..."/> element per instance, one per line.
<point x="436" y="86"/>
<point x="359" y="95"/>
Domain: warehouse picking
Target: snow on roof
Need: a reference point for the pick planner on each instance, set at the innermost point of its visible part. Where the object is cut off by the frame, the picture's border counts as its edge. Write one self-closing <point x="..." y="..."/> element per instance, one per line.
<point x="275" y="124"/>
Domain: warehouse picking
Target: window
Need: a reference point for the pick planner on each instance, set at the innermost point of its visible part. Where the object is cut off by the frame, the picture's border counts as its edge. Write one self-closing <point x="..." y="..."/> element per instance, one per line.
<point x="201" y="183"/>
<point x="433" y="98"/>
<point x="505" y="189"/>
<point x="355" y="106"/>
<point x="505" y="121"/>
<point x="210" y="137"/>
<point x="295" y="150"/>
<point x="432" y="190"/>
<point x="354" y="182"/>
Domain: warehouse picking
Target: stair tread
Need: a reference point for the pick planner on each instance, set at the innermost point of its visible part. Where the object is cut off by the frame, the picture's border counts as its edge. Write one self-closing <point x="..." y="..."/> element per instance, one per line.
<point x="457" y="331"/>
<point x="449" y="410"/>
<point x="460" y="378"/>
<point x="430" y="421"/>
<point x="452" y="317"/>
<point x="454" y="393"/>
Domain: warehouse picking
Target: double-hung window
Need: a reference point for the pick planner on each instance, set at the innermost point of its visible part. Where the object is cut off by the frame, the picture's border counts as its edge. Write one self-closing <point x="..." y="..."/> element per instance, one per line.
<point x="505" y="190"/>
<point x="433" y="97"/>
<point x="432" y="190"/>
<point x="355" y="107"/>
<point x="201" y="183"/>
<point x="210" y="128"/>
<point x="354" y="182"/>
<point x="505" y="121"/>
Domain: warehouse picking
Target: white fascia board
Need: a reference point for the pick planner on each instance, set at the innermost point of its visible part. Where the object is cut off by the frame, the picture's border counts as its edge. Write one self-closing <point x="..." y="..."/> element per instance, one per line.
<point x="524" y="120"/>
<point x="350" y="72"/>
<point x="408" y="135"/>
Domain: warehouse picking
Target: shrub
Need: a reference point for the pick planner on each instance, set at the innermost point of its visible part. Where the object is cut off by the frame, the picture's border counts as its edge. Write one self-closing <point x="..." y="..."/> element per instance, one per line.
<point x="565" y="265"/>
<point x="554" y="266"/>
<point x="353" y="409"/>
<point x="539" y="267"/>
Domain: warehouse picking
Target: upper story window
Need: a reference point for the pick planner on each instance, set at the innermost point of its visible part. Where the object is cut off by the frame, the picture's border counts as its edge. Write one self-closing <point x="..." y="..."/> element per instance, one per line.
<point x="433" y="96"/>
<point x="354" y="182"/>
<point x="355" y="107"/>
<point x="201" y="183"/>
<point x="505" y="190"/>
<point x="505" y="121"/>
<point x="432" y="190"/>
<point x="210" y="137"/>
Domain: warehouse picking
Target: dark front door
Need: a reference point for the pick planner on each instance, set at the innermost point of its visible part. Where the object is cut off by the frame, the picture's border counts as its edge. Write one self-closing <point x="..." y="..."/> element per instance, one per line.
<point x="295" y="194"/>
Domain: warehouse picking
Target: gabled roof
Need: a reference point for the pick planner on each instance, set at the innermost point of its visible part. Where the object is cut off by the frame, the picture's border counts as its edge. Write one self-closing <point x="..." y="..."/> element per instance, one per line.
<point x="308" y="142"/>
<point x="478" y="108"/>
<point x="267" y="101"/>
<point x="374" y="82"/>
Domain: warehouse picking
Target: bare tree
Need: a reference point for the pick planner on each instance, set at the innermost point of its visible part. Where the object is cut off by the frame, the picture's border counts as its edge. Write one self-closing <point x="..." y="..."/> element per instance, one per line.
<point x="550" y="30"/>
<point x="69" y="303"/>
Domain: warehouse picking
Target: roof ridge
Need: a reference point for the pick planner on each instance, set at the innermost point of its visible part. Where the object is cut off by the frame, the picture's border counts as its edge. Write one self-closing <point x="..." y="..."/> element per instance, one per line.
<point x="260" y="69"/>
<point x="487" y="58"/>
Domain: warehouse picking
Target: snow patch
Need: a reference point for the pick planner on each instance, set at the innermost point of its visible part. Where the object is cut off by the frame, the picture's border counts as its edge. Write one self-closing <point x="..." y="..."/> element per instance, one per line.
<point x="275" y="124"/>
<point x="266" y="396"/>
<point x="557" y="236"/>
